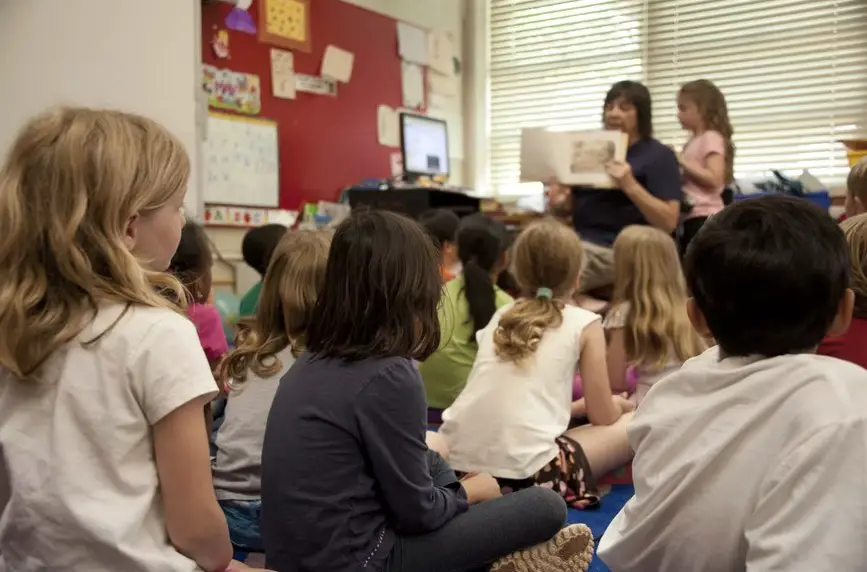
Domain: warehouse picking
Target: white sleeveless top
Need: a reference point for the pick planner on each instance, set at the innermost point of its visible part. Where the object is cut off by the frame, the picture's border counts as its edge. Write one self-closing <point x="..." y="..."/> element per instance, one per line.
<point x="507" y="417"/>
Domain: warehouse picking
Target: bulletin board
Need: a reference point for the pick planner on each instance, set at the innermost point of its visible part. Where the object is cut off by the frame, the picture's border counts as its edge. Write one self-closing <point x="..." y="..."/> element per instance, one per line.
<point x="325" y="143"/>
<point x="242" y="161"/>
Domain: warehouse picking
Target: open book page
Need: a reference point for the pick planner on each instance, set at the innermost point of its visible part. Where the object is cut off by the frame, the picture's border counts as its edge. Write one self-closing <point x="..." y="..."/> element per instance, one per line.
<point x="575" y="158"/>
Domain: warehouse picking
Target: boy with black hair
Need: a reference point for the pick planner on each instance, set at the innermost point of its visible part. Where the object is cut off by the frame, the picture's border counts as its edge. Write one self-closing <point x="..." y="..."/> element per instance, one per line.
<point x="754" y="455"/>
<point x="257" y="247"/>
<point x="442" y="226"/>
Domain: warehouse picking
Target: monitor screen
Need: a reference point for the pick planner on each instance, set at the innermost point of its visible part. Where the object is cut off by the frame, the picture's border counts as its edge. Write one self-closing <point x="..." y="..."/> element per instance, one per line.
<point x="425" y="145"/>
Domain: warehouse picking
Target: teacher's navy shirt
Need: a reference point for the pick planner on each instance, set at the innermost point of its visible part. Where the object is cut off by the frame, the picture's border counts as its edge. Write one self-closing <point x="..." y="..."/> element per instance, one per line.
<point x="345" y="467"/>
<point x="599" y="215"/>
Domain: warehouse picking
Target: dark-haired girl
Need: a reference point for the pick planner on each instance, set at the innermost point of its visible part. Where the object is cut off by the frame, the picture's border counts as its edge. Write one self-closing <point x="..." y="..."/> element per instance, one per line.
<point x="649" y="186"/>
<point x="348" y="483"/>
<point x="469" y="302"/>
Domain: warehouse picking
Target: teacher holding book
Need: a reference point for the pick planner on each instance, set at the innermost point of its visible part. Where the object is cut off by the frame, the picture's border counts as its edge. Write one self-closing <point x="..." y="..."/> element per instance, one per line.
<point x="648" y="187"/>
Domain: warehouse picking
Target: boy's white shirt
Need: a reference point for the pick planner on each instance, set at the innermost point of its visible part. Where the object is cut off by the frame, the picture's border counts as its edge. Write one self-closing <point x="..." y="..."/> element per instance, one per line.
<point x="747" y="464"/>
<point x="78" y="446"/>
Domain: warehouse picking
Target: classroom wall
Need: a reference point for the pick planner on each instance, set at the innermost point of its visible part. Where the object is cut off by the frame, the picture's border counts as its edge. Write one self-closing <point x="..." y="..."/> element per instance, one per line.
<point x="136" y="56"/>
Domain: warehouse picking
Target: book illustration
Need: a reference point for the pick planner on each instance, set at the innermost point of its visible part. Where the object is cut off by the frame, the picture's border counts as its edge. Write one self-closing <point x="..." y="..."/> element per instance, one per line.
<point x="577" y="158"/>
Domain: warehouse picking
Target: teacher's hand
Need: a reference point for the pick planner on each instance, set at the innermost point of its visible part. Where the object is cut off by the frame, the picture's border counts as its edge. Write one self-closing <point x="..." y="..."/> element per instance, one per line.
<point x="621" y="172"/>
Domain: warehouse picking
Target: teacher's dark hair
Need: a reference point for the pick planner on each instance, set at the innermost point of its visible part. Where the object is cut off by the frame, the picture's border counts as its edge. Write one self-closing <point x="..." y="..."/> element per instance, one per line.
<point x="381" y="291"/>
<point x="637" y="95"/>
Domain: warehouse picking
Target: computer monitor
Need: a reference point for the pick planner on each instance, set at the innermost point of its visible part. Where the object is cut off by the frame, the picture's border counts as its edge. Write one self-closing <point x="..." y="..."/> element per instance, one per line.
<point x="424" y="144"/>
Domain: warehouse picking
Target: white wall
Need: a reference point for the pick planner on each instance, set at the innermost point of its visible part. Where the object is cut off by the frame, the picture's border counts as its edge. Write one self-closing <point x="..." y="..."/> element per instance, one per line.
<point x="445" y="16"/>
<point x="135" y="55"/>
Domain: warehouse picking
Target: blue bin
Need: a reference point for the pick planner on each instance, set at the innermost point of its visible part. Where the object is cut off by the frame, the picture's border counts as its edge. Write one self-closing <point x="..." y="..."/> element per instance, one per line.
<point x="822" y="199"/>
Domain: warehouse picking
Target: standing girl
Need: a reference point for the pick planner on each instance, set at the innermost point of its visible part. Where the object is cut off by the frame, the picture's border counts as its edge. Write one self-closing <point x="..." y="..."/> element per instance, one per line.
<point x="347" y="480"/>
<point x="707" y="160"/>
<point x="265" y="350"/>
<point x="102" y="380"/>
<point x="468" y="303"/>
<point x="192" y="265"/>
<point x="513" y="416"/>
<point x="647" y="326"/>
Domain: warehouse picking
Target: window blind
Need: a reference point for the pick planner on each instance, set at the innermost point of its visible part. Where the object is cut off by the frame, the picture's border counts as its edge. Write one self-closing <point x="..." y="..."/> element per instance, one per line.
<point x="550" y="64"/>
<point x="794" y="73"/>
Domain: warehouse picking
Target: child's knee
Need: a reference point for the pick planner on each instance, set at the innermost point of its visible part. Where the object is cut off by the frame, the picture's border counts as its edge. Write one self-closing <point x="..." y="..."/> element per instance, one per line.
<point x="548" y="506"/>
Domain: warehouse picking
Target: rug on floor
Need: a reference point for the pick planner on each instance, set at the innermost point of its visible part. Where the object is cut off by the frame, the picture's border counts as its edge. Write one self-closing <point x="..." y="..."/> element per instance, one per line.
<point x="599" y="519"/>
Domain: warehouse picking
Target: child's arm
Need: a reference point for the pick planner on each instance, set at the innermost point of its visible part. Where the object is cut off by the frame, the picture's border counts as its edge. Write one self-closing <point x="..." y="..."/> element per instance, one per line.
<point x="712" y="175"/>
<point x="172" y="382"/>
<point x="602" y="409"/>
<point x="391" y="412"/>
<point x="617" y="360"/>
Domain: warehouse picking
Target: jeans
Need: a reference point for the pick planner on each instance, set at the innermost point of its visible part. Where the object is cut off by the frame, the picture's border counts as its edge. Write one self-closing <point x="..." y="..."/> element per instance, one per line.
<point x="487" y="531"/>
<point x="243" y="518"/>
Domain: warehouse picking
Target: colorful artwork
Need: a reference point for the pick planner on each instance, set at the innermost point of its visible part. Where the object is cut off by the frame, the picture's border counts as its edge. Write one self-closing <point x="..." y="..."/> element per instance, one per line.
<point x="220" y="44"/>
<point x="232" y="90"/>
<point x="285" y="23"/>
<point x="239" y="19"/>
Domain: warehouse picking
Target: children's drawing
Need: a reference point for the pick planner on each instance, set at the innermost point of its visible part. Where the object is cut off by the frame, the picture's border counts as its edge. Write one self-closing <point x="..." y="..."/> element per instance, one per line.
<point x="239" y="18"/>
<point x="285" y="23"/>
<point x="220" y="44"/>
<point x="232" y="90"/>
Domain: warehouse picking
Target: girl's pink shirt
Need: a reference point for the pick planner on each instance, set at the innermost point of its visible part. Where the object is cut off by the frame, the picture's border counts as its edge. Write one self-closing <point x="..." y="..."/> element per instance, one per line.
<point x="706" y="202"/>
<point x="209" y="326"/>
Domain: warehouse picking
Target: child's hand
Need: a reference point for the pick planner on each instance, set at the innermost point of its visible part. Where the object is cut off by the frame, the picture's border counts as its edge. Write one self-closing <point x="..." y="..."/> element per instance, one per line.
<point x="480" y="488"/>
<point x="622" y="401"/>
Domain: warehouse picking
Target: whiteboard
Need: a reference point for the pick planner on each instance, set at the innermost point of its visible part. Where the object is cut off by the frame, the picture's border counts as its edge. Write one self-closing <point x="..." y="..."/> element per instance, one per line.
<point x="242" y="165"/>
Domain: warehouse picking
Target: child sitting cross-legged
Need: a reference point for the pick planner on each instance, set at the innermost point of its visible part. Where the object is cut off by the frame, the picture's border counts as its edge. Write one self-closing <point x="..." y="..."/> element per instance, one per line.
<point x="266" y="347"/>
<point x="512" y="418"/>
<point x="348" y="482"/>
<point x="753" y="455"/>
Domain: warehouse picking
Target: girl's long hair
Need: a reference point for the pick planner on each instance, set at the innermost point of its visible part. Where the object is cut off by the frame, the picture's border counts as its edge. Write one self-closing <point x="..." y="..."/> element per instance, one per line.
<point x="289" y="292"/>
<point x="548" y="254"/>
<point x="482" y="243"/>
<point x="71" y="183"/>
<point x="711" y="104"/>
<point x="855" y="229"/>
<point x="648" y="277"/>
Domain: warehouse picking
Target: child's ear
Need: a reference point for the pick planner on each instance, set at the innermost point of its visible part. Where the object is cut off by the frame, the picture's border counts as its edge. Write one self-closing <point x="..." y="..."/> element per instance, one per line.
<point x="844" y="314"/>
<point x="697" y="319"/>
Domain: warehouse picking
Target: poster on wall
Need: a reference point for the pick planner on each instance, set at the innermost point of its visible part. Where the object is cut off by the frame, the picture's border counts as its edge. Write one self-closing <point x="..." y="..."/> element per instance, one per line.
<point x="285" y="24"/>
<point x="232" y="90"/>
<point x="315" y="84"/>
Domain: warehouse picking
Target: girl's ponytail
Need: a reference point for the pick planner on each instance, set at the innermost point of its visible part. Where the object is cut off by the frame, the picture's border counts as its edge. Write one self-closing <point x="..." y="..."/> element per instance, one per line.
<point x="521" y="327"/>
<point x="481" y="248"/>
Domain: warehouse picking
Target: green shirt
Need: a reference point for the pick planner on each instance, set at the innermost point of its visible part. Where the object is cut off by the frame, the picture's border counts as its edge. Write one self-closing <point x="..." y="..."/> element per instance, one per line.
<point x="445" y="373"/>
<point x="250" y="301"/>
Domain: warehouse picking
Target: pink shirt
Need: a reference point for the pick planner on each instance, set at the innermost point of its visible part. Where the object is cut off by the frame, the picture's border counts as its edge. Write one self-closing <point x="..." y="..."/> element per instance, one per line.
<point x="209" y="326"/>
<point x="706" y="202"/>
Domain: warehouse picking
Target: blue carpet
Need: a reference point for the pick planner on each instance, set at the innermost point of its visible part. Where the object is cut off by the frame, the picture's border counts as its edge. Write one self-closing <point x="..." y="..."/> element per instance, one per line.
<point x="599" y="519"/>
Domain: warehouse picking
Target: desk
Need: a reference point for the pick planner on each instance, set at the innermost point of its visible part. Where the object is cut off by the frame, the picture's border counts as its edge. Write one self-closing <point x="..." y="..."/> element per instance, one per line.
<point x="413" y="201"/>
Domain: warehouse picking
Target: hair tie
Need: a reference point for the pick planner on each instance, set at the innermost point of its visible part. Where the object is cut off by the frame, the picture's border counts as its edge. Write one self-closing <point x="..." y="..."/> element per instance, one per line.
<point x="544" y="294"/>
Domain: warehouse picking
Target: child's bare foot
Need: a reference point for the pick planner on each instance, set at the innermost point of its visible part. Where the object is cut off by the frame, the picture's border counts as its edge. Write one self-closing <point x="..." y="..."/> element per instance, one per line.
<point x="571" y="550"/>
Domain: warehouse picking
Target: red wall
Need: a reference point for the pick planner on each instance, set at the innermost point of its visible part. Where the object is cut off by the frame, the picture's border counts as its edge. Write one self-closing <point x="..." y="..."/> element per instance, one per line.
<point x="326" y="143"/>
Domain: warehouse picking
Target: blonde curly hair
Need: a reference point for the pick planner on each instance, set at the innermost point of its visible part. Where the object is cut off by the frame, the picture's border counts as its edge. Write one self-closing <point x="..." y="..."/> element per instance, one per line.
<point x="72" y="181"/>
<point x="546" y="256"/>
<point x="855" y="229"/>
<point x="711" y="104"/>
<point x="290" y="288"/>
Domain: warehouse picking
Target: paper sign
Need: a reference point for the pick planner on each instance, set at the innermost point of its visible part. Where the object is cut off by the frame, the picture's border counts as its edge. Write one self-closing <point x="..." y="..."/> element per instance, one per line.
<point x="412" y="44"/>
<point x="315" y="84"/>
<point x="232" y="90"/>
<point x="337" y="64"/>
<point x="282" y="74"/>
<point x="412" y="85"/>
<point x="441" y="53"/>
<point x="442" y="84"/>
<point x="388" y="126"/>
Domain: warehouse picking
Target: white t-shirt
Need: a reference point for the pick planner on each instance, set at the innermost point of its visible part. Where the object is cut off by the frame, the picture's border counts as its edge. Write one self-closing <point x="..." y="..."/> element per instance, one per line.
<point x="507" y="417"/>
<point x="78" y="447"/>
<point x="747" y="464"/>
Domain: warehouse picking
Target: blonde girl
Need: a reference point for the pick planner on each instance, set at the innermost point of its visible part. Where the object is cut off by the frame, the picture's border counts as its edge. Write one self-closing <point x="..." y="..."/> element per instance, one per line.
<point x="266" y="347"/>
<point x="512" y="418"/>
<point x="707" y="160"/>
<point x="102" y="378"/>
<point x="647" y="326"/>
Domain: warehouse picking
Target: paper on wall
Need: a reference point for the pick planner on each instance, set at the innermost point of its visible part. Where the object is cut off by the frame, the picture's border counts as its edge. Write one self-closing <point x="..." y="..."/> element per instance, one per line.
<point x="412" y="85"/>
<point x="315" y="84"/>
<point x="282" y="74"/>
<point x="442" y="84"/>
<point x="337" y="64"/>
<point x="396" y="162"/>
<point x="441" y="53"/>
<point x="387" y="126"/>
<point x="412" y="44"/>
